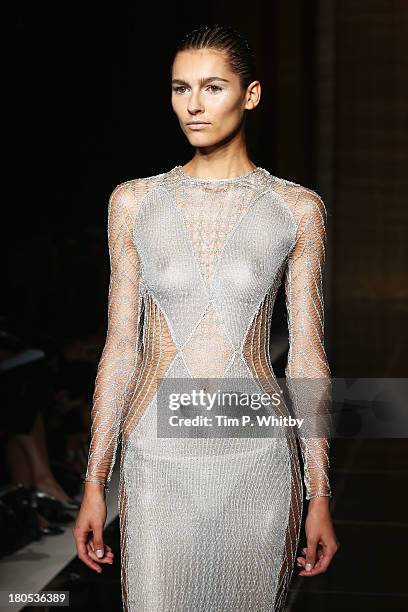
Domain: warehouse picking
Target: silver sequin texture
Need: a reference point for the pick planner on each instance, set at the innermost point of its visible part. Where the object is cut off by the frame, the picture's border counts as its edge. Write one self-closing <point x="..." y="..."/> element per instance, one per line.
<point x="208" y="525"/>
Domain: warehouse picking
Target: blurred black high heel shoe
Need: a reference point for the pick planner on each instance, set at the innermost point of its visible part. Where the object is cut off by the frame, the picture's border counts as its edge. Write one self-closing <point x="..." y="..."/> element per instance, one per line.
<point x="52" y="508"/>
<point x="70" y="505"/>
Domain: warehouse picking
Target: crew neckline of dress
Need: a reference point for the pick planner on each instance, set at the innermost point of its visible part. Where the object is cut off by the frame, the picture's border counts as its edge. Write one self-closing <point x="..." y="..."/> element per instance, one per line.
<point x="234" y="179"/>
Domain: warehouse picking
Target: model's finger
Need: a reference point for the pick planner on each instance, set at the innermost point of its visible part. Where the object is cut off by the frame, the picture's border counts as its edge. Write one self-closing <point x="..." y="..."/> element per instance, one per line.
<point x="98" y="543"/>
<point x="326" y="560"/>
<point x="320" y="566"/>
<point x="311" y="554"/>
<point x="319" y="561"/>
<point x="108" y="549"/>
<point x="84" y="556"/>
<point x="93" y="556"/>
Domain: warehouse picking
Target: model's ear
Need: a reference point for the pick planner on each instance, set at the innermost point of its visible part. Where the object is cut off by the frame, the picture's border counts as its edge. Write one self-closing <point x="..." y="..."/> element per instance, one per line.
<point x="253" y="95"/>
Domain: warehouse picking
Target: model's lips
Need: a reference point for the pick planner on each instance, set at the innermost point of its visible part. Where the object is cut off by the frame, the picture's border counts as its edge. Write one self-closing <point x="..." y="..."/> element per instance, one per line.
<point x="197" y="125"/>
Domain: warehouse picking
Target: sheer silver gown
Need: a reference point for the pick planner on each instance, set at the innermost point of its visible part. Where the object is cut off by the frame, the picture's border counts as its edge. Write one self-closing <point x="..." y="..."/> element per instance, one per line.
<point x="208" y="525"/>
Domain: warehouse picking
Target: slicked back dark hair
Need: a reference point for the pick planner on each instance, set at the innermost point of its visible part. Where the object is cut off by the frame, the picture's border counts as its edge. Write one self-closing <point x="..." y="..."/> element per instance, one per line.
<point x="228" y="40"/>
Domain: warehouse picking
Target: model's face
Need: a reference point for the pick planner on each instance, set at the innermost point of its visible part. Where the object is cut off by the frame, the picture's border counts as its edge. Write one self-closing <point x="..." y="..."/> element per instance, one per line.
<point x="205" y="90"/>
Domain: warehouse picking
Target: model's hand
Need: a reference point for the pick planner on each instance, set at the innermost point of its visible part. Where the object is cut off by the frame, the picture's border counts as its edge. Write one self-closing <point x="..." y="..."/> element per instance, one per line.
<point x="322" y="543"/>
<point x="88" y="529"/>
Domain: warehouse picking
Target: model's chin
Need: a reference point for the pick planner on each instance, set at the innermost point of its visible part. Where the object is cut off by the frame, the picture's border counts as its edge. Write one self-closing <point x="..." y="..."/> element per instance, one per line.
<point x="200" y="139"/>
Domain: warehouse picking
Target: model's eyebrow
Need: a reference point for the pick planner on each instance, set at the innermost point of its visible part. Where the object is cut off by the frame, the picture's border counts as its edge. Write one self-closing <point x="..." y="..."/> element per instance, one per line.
<point x="202" y="81"/>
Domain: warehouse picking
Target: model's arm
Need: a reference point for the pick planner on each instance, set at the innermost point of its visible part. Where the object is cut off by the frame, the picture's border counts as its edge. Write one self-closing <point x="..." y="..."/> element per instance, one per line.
<point x="122" y="346"/>
<point x="307" y="371"/>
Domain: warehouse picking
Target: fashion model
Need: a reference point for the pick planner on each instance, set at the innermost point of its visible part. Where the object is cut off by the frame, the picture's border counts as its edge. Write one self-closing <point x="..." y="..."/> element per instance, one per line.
<point x="198" y="252"/>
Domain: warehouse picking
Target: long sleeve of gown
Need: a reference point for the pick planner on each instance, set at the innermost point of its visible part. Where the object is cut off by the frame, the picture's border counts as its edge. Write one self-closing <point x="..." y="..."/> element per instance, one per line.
<point x="122" y="349"/>
<point x="307" y="372"/>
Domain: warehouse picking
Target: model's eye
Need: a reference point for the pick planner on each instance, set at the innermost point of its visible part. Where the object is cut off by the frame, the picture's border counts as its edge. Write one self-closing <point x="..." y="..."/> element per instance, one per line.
<point x="215" y="88"/>
<point x="177" y="89"/>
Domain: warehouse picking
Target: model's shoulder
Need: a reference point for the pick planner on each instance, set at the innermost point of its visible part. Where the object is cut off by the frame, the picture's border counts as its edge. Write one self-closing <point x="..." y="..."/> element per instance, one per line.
<point x="295" y="189"/>
<point x="298" y="197"/>
<point x="136" y="186"/>
<point x="129" y="194"/>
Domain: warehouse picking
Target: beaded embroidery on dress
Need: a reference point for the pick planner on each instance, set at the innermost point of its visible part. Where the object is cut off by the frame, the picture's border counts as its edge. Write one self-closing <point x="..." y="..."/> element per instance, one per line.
<point x="208" y="525"/>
